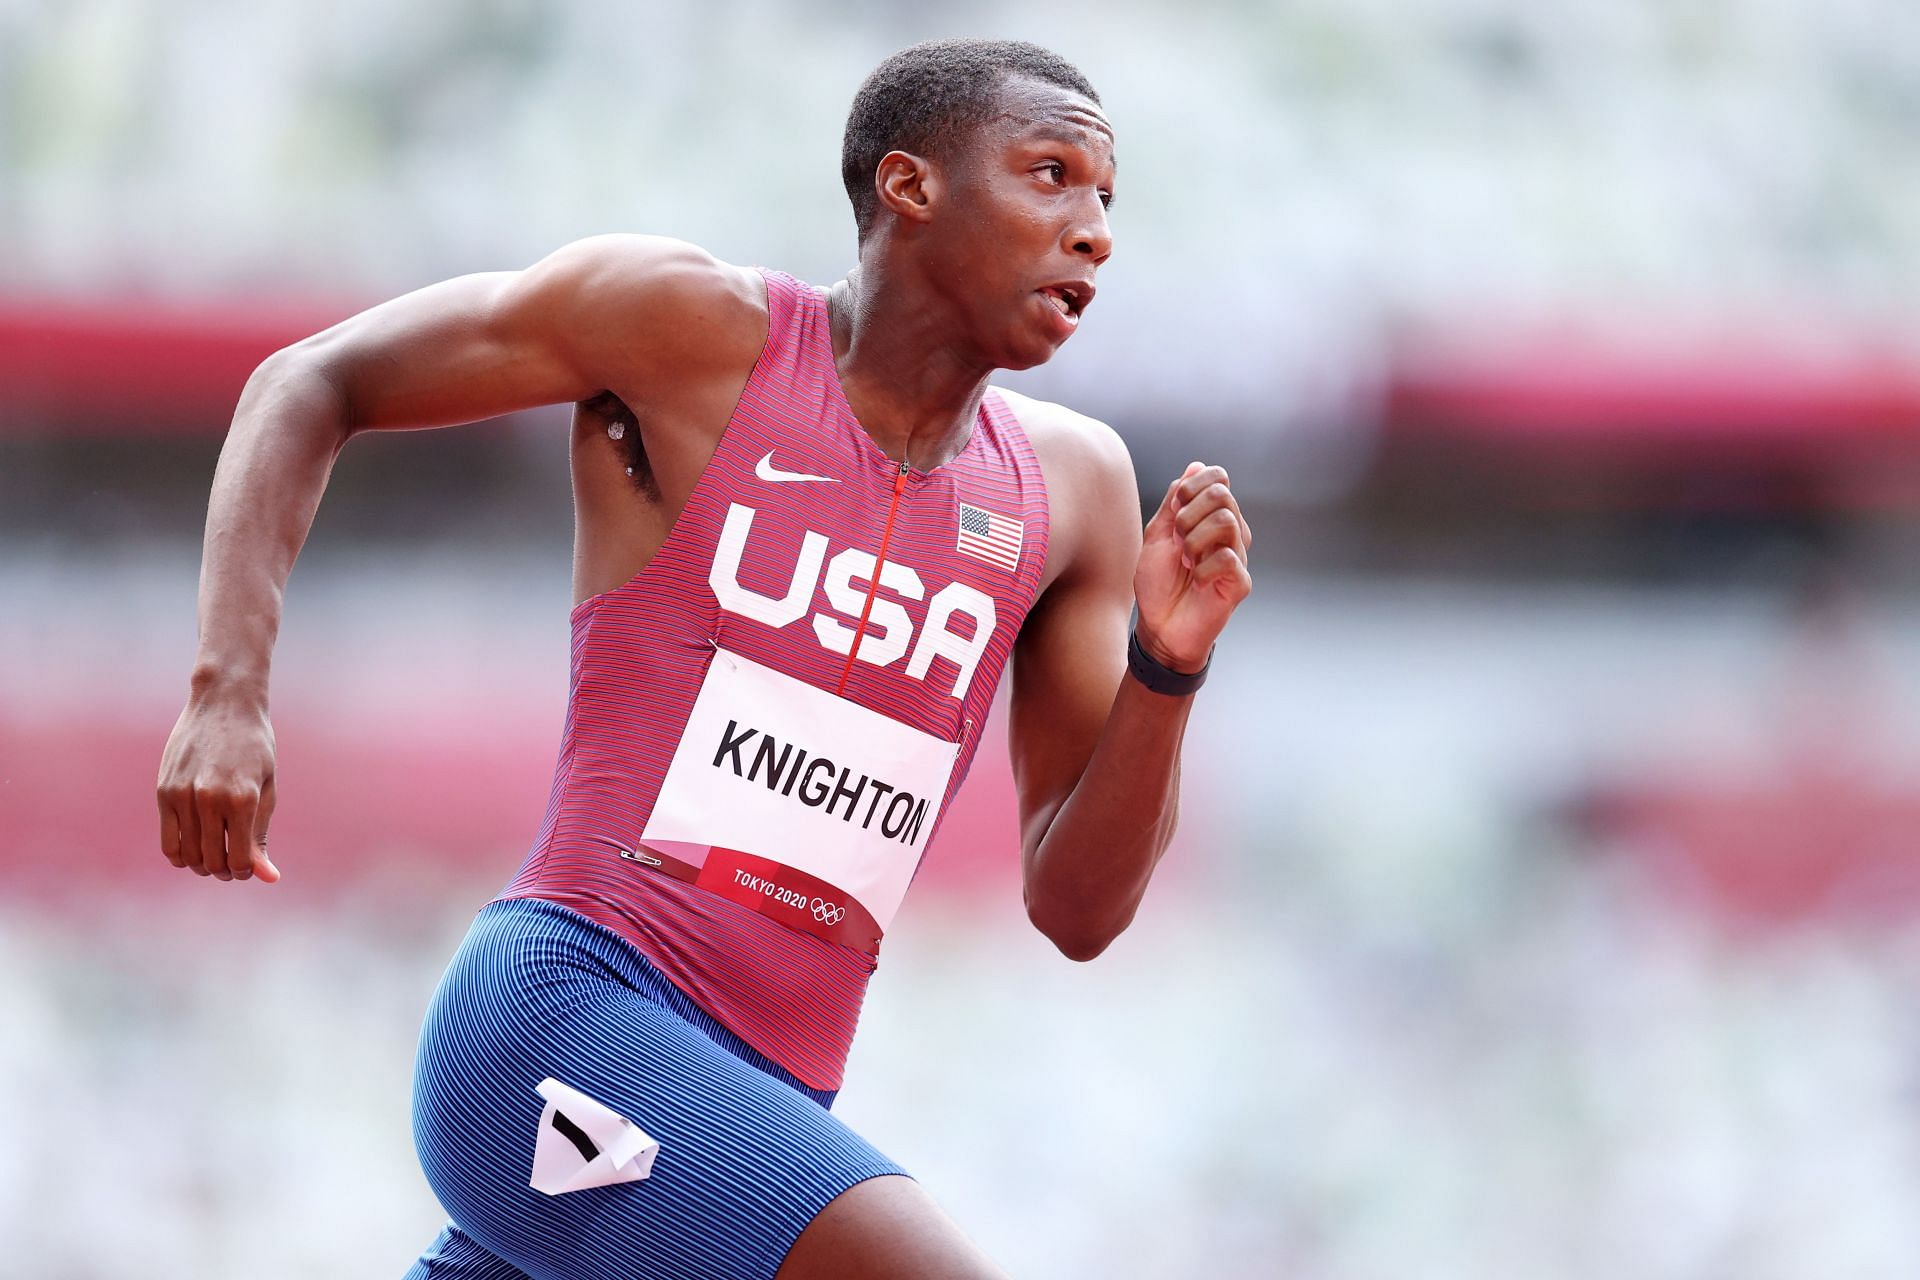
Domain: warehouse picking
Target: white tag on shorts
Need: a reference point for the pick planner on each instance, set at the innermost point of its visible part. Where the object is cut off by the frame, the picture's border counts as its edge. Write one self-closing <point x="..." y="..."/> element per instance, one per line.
<point x="583" y="1143"/>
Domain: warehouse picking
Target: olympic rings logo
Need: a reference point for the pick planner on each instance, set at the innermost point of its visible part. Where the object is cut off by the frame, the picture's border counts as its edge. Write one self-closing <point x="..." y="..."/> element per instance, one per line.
<point x="827" y="912"/>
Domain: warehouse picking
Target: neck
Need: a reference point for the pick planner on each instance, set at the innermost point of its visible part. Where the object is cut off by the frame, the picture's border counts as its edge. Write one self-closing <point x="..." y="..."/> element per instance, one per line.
<point x="912" y="387"/>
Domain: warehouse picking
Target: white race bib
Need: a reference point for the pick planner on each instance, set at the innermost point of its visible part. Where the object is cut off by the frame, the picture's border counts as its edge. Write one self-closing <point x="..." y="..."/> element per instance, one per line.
<point x="799" y="804"/>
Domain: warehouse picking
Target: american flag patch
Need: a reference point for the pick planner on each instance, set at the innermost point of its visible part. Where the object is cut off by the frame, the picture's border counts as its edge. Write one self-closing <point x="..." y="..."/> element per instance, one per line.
<point x="986" y="536"/>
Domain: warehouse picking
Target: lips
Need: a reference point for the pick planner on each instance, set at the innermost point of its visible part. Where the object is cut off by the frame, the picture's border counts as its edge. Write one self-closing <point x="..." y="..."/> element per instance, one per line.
<point x="1068" y="297"/>
<point x="1056" y="316"/>
<point x="1064" y="300"/>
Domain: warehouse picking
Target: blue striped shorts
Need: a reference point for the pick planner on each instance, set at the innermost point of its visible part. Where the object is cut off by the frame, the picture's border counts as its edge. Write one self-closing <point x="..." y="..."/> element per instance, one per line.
<point x="748" y="1155"/>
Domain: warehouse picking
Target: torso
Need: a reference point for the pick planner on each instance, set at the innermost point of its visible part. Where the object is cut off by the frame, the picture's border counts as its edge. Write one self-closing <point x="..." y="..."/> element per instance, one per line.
<point x="727" y="606"/>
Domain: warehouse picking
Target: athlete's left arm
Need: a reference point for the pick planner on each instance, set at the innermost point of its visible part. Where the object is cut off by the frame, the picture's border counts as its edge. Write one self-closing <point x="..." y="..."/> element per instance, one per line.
<point x="1096" y="754"/>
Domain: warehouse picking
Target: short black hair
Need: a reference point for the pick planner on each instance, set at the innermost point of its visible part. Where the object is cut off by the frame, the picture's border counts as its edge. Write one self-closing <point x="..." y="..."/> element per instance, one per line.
<point x="929" y="96"/>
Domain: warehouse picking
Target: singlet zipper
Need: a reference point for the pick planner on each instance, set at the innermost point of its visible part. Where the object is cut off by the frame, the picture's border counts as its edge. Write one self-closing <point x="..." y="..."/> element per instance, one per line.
<point x="873" y="583"/>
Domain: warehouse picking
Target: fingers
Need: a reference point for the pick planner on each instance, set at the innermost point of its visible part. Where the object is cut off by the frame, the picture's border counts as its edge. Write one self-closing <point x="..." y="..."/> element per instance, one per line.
<point x="212" y="808"/>
<point x="1209" y="518"/>
<point x="169" y="830"/>
<point x="1197" y="477"/>
<point x="240" y="837"/>
<point x="190" y="854"/>
<point x="219" y="832"/>
<point x="1171" y="500"/>
<point x="1202" y="493"/>
<point x="1224" y="571"/>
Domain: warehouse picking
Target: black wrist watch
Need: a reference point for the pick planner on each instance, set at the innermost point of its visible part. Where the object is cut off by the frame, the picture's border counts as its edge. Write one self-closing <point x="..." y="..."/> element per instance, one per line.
<point x="1161" y="679"/>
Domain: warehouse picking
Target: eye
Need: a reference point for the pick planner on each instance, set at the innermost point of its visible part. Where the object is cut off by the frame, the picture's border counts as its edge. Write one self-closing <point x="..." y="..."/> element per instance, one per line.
<point x="1055" y="171"/>
<point x="1106" y="199"/>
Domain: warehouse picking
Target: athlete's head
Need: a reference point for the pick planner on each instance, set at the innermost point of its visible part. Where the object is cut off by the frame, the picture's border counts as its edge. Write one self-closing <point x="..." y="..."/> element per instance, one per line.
<point x="988" y="166"/>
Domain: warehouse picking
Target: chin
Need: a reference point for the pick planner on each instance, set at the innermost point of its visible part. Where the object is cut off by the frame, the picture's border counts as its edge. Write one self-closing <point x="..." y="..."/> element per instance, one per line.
<point x="1017" y="355"/>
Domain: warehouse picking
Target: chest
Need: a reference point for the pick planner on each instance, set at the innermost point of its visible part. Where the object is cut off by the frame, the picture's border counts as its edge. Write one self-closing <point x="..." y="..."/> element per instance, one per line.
<point x="878" y="568"/>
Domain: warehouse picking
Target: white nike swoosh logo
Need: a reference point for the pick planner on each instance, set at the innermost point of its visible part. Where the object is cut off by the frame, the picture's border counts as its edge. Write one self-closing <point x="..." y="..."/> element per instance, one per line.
<point x="767" y="471"/>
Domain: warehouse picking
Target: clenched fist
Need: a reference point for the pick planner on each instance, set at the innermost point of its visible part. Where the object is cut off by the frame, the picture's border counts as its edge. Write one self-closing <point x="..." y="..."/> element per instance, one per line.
<point x="1193" y="569"/>
<point x="216" y="789"/>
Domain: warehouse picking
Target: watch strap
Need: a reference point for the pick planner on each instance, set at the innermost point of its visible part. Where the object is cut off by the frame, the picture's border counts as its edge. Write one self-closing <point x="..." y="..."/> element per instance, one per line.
<point x="1162" y="679"/>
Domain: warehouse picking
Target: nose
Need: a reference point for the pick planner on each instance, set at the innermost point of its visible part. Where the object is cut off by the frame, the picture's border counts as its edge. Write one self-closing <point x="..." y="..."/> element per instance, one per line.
<point x="1088" y="235"/>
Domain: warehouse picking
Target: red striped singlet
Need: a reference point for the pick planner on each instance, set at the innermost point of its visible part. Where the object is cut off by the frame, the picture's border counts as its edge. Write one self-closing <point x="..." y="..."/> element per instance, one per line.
<point x="775" y="559"/>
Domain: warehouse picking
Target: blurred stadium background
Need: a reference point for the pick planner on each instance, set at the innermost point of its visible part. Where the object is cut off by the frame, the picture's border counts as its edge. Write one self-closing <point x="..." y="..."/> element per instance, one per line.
<point x="1548" y="899"/>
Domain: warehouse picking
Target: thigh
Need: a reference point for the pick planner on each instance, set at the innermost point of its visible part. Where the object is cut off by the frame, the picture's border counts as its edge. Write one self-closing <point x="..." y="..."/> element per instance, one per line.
<point x="745" y="1163"/>
<point x="882" y="1229"/>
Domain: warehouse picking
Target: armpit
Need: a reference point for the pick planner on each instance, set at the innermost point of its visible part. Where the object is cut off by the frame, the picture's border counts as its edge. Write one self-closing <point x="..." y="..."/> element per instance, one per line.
<point x="622" y="430"/>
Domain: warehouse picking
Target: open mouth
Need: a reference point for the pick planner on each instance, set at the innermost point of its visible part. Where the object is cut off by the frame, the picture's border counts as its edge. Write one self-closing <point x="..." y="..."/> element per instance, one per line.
<point x="1069" y="299"/>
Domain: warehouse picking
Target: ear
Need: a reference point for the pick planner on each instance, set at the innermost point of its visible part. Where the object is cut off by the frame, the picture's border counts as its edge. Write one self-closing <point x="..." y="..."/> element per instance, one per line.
<point x="906" y="185"/>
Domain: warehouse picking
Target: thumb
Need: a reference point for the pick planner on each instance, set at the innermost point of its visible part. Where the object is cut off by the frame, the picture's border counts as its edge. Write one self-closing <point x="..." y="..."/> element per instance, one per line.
<point x="257" y="838"/>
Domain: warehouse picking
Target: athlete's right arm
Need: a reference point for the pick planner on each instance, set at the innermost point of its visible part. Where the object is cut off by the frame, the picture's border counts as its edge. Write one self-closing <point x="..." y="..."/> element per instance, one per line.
<point x="609" y="313"/>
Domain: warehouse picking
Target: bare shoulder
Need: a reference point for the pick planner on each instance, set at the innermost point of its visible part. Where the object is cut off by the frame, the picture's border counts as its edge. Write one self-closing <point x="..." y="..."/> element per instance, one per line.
<point x="1075" y="451"/>
<point x="657" y="267"/>
<point x="660" y="303"/>
<point x="1092" y="496"/>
